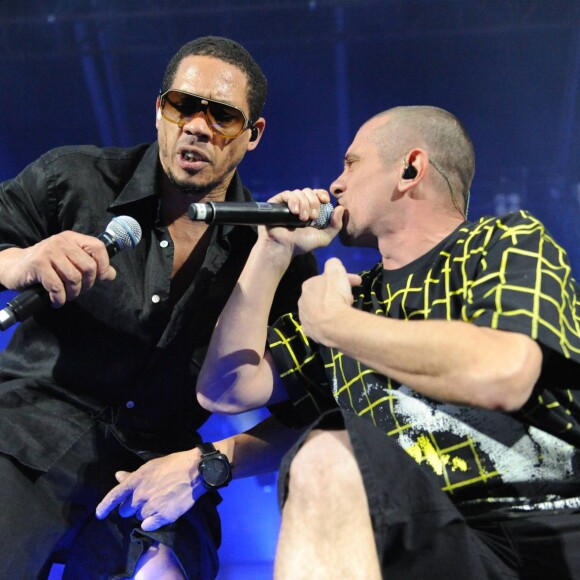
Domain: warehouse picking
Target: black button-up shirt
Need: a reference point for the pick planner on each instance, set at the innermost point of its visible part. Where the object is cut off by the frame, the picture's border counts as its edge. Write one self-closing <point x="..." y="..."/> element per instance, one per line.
<point x="120" y="352"/>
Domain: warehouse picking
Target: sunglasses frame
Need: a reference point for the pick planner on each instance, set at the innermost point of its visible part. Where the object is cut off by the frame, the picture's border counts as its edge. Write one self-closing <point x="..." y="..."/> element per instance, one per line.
<point x="204" y="104"/>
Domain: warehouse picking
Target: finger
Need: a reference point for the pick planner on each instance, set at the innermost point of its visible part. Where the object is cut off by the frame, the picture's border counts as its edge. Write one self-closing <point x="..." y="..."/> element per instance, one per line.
<point x="56" y="290"/>
<point x="73" y="279"/>
<point x="83" y="259"/>
<point x="109" y="275"/>
<point x="115" y="497"/>
<point x="354" y="279"/>
<point x="320" y="194"/>
<point x="298" y="203"/>
<point x="323" y="195"/>
<point x="304" y="203"/>
<point x="128" y="508"/>
<point x="154" y="522"/>
<point x="121" y="476"/>
<point x="310" y="200"/>
<point x="95" y="248"/>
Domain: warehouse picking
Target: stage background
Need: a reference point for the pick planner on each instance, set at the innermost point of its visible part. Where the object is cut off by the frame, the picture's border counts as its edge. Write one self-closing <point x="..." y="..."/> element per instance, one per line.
<point x="82" y="71"/>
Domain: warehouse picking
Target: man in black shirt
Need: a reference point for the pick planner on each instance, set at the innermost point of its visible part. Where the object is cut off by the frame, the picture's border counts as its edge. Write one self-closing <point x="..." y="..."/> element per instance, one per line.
<point x="442" y="385"/>
<point x="104" y="381"/>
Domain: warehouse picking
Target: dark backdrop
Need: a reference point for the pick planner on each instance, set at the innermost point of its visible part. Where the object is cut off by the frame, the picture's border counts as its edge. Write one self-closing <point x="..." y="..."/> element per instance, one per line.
<point x="82" y="71"/>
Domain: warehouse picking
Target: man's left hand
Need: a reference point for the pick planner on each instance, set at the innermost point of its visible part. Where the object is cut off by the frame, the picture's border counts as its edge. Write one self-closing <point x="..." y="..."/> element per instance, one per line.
<point x="322" y="298"/>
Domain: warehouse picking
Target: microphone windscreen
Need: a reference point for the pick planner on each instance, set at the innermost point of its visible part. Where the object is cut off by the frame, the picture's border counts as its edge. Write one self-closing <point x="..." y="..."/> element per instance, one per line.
<point x="125" y="231"/>
<point x="323" y="218"/>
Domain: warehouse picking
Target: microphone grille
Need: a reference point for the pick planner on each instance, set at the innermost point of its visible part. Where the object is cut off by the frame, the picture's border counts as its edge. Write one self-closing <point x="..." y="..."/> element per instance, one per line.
<point x="323" y="218"/>
<point x="125" y="230"/>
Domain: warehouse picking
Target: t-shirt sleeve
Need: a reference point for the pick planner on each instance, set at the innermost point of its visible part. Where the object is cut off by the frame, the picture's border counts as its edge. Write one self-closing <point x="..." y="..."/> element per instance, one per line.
<point x="302" y="371"/>
<point x="525" y="284"/>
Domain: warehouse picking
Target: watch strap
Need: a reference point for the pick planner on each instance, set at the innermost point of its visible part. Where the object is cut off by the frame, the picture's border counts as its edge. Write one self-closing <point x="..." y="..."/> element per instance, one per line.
<point x="206" y="448"/>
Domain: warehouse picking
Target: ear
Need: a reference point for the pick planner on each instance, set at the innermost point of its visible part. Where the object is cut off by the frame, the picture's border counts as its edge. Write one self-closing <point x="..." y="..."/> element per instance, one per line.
<point x="259" y="127"/>
<point x="416" y="163"/>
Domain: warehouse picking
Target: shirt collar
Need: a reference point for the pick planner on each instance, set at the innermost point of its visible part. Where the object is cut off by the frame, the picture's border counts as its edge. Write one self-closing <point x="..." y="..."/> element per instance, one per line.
<point x="144" y="184"/>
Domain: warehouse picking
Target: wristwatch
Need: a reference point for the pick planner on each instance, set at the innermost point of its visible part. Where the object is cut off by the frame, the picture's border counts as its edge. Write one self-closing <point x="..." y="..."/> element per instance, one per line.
<point x="214" y="468"/>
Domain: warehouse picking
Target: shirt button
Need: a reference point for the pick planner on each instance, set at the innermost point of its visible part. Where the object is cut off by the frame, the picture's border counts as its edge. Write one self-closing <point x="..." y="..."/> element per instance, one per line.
<point x="155" y="298"/>
<point x="163" y="243"/>
<point x="130" y="404"/>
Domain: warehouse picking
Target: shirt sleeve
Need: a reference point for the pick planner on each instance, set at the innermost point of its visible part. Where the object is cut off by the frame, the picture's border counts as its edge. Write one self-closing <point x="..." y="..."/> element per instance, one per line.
<point x="302" y="371"/>
<point x="525" y="284"/>
<point x="286" y="298"/>
<point x="25" y="207"/>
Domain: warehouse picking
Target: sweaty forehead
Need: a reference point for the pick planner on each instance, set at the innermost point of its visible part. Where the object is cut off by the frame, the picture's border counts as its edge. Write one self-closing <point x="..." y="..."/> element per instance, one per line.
<point x="213" y="78"/>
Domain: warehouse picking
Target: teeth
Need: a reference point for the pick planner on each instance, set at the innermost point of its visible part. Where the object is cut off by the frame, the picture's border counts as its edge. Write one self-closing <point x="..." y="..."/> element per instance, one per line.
<point x="189" y="156"/>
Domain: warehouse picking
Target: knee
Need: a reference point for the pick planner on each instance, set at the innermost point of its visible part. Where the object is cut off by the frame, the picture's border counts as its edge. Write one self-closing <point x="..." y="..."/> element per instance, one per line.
<point x="325" y="465"/>
<point x="158" y="561"/>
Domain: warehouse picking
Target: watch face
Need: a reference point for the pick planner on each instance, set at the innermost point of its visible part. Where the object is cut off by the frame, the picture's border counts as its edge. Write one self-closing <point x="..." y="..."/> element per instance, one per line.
<point x="215" y="471"/>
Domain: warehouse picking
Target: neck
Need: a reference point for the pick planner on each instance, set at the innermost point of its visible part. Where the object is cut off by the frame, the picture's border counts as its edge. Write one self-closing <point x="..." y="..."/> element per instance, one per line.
<point x="414" y="238"/>
<point x="175" y="202"/>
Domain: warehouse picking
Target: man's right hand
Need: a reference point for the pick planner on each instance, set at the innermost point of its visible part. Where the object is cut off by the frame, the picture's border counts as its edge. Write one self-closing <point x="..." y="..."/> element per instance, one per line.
<point x="304" y="203"/>
<point x="65" y="264"/>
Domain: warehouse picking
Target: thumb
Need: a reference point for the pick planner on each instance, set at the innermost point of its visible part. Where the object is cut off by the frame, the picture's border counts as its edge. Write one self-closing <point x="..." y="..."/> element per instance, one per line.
<point x="336" y="218"/>
<point x="334" y="266"/>
<point x="340" y="279"/>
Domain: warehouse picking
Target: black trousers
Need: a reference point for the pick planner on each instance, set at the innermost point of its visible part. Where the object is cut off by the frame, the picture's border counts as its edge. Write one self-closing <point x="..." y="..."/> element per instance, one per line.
<point x="46" y="517"/>
<point x="419" y="532"/>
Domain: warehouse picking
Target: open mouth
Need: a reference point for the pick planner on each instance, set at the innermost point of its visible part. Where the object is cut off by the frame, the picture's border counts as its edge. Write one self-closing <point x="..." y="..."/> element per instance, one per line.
<point x="191" y="160"/>
<point x="193" y="156"/>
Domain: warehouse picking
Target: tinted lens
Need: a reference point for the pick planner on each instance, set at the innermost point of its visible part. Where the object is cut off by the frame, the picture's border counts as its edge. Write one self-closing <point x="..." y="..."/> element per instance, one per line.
<point x="226" y="120"/>
<point x="222" y="119"/>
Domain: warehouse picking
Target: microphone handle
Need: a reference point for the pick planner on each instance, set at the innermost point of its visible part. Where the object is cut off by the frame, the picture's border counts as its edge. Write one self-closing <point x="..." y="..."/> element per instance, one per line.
<point x="23" y="305"/>
<point x="245" y="214"/>
<point x="35" y="297"/>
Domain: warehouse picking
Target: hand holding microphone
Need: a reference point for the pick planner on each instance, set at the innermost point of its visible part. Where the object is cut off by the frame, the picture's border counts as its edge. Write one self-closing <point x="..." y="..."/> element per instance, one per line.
<point x="269" y="213"/>
<point x="68" y="263"/>
<point x="255" y="213"/>
<point x="293" y="210"/>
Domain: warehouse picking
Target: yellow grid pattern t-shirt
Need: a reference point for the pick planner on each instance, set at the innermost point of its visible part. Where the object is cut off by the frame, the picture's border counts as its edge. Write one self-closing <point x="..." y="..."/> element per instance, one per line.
<point x="504" y="273"/>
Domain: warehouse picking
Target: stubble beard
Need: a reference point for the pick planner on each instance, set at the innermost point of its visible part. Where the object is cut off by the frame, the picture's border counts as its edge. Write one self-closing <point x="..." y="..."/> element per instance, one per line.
<point x="354" y="239"/>
<point x="201" y="189"/>
<point x="345" y="238"/>
<point x="196" y="189"/>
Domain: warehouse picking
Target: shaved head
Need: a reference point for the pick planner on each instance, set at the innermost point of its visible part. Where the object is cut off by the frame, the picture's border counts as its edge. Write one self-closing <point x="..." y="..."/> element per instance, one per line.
<point x="437" y="131"/>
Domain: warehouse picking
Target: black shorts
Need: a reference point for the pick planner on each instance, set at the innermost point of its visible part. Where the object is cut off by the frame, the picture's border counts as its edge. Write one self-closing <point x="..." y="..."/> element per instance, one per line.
<point x="419" y="532"/>
<point x="48" y="517"/>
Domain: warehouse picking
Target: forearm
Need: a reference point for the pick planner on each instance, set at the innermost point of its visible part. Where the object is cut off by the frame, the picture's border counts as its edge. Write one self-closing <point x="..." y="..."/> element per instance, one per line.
<point x="260" y="449"/>
<point x="234" y="377"/>
<point x="450" y="361"/>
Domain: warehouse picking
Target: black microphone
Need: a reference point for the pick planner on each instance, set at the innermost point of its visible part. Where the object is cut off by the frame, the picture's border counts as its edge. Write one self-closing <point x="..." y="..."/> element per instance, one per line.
<point x="123" y="232"/>
<point x="254" y="213"/>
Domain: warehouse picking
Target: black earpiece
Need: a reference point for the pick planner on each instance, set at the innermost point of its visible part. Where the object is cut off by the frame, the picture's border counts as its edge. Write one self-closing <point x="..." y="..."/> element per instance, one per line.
<point x="410" y="172"/>
<point x="254" y="133"/>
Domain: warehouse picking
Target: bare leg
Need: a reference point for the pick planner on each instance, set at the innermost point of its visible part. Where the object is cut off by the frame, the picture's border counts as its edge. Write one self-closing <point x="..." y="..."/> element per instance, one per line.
<point x="326" y="530"/>
<point x="158" y="563"/>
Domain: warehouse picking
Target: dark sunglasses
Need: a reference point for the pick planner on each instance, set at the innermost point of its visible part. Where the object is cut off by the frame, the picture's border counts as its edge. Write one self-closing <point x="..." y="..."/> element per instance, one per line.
<point x="180" y="107"/>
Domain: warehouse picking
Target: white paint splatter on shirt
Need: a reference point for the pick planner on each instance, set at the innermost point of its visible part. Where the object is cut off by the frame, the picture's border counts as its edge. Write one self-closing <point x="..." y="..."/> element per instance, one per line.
<point x="518" y="453"/>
